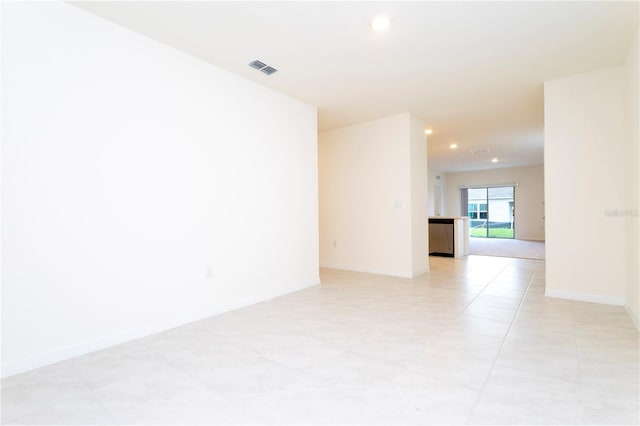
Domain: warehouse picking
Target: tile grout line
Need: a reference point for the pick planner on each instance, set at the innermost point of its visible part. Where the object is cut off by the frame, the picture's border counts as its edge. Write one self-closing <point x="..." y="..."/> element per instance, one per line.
<point x="484" y="288"/>
<point x="457" y="317"/>
<point x="486" y="380"/>
<point x="91" y="392"/>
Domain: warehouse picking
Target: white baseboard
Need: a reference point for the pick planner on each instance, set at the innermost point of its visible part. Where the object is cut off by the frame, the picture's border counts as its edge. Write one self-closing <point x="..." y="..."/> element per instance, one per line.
<point x="368" y="271"/>
<point x="634" y="316"/>
<point x="585" y="297"/>
<point x="83" y="348"/>
<point x="416" y="274"/>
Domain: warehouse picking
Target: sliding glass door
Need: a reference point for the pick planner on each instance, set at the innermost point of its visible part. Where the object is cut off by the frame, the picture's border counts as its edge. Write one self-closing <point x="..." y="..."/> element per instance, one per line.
<point x="490" y="210"/>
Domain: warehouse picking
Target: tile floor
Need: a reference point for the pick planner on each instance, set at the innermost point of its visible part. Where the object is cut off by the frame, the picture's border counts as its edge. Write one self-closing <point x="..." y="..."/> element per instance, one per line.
<point x="473" y="342"/>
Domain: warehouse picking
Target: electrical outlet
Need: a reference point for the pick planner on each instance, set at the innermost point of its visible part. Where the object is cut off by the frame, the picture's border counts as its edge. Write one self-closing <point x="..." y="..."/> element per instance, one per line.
<point x="334" y="243"/>
<point x="209" y="272"/>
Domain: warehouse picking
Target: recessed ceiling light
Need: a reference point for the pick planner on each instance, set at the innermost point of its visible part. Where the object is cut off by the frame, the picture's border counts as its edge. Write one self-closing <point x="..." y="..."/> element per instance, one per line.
<point x="380" y="23"/>
<point x="428" y="131"/>
<point x="494" y="160"/>
<point x="453" y="146"/>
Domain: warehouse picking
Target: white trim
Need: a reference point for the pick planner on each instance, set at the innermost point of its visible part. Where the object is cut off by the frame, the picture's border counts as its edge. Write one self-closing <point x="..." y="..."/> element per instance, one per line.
<point x="585" y="297"/>
<point x="104" y="342"/>
<point x="368" y="271"/>
<point x="634" y="316"/>
<point x="419" y="272"/>
<point x="492" y="185"/>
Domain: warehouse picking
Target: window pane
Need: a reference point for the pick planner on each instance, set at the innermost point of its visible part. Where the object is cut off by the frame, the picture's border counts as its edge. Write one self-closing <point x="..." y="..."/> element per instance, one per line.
<point x="501" y="224"/>
<point x="491" y="211"/>
<point x="477" y="194"/>
<point x="502" y="192"/>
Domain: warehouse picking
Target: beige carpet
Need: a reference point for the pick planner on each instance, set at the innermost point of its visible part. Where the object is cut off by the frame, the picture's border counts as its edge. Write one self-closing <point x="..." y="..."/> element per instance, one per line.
<point x="506" y="248"/>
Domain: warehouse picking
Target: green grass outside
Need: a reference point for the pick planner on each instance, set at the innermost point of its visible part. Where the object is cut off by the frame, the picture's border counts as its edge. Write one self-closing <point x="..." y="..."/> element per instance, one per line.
<point x="493" y="232"/>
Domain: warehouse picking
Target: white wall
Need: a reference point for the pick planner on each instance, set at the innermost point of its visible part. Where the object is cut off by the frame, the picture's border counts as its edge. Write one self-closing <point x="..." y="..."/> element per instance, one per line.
<point x="434" y="197"/>
<point x="419" y="191"/>
<point x="529" y="195"/>
<point x="584" y="186"/>
<point x="632" y="179"/>
<point x="367" y="184"/>
<point x="128" y="168"/>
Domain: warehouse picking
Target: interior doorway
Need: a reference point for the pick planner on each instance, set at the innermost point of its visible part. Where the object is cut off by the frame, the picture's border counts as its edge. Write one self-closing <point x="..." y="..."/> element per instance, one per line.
<point x="491" y="211"/>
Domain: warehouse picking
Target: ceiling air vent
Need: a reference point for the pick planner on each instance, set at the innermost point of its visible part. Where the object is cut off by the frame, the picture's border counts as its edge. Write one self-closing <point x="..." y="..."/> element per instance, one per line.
<point x="261" y="66"/>
<point x="268" y="70"/>
<point x="257" y="65"/>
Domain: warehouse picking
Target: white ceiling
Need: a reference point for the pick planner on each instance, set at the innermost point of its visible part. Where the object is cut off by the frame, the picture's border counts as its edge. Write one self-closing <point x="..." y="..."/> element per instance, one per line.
<point x="473" y="71"/>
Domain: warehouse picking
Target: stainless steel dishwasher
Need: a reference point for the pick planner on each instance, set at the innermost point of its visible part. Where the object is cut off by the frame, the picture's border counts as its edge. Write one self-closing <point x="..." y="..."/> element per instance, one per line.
<point x="441" y="237"/>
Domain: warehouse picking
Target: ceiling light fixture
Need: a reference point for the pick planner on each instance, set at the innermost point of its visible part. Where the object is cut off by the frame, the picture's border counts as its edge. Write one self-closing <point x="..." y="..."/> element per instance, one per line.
<point x="494" y="160"/>
<point x="428" y="131"/>
<point x="380" y="23"/>
<point x="453" y="146"/>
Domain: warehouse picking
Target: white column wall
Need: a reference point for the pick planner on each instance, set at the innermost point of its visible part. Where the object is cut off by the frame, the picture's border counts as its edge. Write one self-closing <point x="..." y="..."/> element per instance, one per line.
<point x="584" y="187"/>
<point x="366" y="204"/>
<point x="632" y="178"/>
<point x="419" y="193"/>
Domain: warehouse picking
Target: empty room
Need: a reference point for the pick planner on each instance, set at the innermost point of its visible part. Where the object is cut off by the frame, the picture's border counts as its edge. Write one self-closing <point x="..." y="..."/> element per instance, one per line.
<point x="327" y="213"/>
